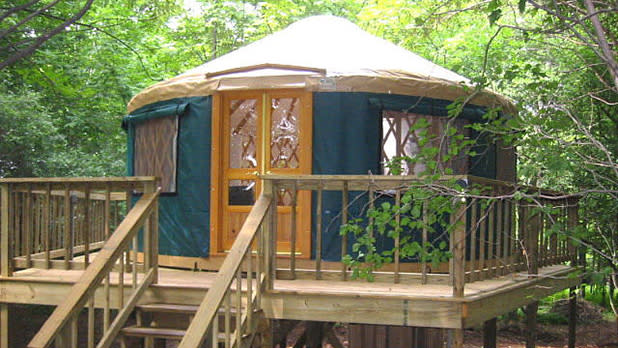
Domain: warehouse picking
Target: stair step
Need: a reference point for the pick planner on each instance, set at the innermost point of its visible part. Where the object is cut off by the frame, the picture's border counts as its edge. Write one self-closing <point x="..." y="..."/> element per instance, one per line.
<point x="168" y="308"/>
<point x="155" y="332"/>
<point x="174" y="308"/>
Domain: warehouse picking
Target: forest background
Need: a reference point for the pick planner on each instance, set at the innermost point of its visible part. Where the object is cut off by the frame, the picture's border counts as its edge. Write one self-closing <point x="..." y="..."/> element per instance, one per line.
<point x="68" y="69"/>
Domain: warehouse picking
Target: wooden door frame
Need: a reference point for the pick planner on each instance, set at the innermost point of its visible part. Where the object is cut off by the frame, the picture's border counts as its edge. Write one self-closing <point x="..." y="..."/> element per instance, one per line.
<point x="218" y="158"/>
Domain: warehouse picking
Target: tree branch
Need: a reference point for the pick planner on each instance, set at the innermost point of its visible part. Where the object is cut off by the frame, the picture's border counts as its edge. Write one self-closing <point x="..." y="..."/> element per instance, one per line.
<point x="43" y="38"/>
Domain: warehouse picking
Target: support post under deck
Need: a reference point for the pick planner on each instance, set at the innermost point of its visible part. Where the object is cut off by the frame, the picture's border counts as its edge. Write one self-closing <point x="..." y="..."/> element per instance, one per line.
<point x="4" y="325"/>
<point x="489" y="333"/>
<point x="572" y="316"/>
<point x="531" y="311"/>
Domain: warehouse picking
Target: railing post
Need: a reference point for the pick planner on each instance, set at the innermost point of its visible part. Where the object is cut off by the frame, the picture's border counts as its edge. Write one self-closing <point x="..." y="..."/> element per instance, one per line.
<point x="5" y="260"/>
<point x="5" y="241"/>
<point x="458" y="247"/>
<point x="151" y="231"/>
<point x="269" y="235"/>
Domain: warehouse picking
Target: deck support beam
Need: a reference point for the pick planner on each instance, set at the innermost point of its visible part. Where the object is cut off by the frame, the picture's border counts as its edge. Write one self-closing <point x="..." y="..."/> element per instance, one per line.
<point x="489" y="333"/>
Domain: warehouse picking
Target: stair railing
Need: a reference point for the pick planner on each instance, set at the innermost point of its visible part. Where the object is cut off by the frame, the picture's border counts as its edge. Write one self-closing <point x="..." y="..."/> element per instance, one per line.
<point x="225" y="298"/>
<point x="62" y="326"/>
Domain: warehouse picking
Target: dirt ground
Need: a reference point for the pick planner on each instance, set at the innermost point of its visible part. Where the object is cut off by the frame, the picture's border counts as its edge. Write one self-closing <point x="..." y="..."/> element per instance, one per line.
<point x="27" y="319"/>
<point x="600" y="334"/>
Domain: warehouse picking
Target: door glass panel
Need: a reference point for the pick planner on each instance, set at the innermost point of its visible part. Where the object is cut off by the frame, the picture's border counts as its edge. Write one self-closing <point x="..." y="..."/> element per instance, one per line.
<point x="284" y="150"/>
<point x="241" y="192"/>
<point x="243" y="124"/>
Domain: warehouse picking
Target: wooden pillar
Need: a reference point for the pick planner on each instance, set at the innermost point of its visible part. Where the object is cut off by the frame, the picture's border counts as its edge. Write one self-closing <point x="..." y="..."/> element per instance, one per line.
<point x="4" y="325"/>
<point x="489" y="333"/>
<point x="572" y="316"/>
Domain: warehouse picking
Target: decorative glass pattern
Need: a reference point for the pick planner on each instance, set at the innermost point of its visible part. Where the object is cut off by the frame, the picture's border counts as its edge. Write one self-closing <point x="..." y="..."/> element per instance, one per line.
<point x="284" y="149"/>
<point x="243" y="123"/>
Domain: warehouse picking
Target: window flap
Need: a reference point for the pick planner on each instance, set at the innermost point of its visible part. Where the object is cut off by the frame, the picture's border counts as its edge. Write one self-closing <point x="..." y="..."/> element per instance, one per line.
<point x="162" y="111"/>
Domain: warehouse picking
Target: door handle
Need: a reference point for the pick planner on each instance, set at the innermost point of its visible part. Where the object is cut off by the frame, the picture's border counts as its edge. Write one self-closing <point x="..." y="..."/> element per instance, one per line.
<point x="256" y="173"/>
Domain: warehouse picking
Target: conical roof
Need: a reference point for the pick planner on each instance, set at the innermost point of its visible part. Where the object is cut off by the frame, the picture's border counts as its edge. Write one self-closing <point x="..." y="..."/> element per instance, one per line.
<point x="321" y="53"/>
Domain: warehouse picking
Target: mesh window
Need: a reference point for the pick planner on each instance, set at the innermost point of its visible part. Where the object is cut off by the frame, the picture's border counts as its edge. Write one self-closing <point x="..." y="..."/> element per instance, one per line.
<point x="155" y="150"/>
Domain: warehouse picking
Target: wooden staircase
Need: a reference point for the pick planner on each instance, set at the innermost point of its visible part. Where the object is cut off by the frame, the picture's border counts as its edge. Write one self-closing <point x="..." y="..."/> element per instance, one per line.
<point x="169" y="322"/>
<point x="227" y="317"/>
<point x="158" y="321"/>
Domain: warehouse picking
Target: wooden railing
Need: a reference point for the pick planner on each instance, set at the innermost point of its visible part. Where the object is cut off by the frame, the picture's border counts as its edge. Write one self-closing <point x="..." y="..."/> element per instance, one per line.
<point x="230" y="295"/>
<point x="60" y="222"/>
<point x="62" y="326"/>
<point x="521" y="228"/>
<point x="496" y="228"/>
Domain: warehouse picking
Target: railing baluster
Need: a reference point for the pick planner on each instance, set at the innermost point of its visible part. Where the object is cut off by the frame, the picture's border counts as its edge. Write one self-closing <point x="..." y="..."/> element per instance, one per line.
<point x="91" y="321"/>
<point x="371" y="207"/>
<point x="490" y="240"/>
<point x="28" y="230"/>
<point x="106" y="208"/>
<point x="483" y="216"/>
<point x="293" y="232"/>
<point x="67" y="240"/>
<point x="86" y="228"/>
<point x="473" y="228"/>
<point x="106" y="304"/>
<point x="344" y="221"/>
<point x="238" y="332"/>
<point x="46" y="225"/>
<point x="318" y="246"/>
<point x="73" y="331"/>
<point x="215" y="332"/>
<point x="37" y="212"/>
<point x="259" y="264"/>
<point x="424" y="238"/>
<point x="121" y="280"/>
<point x="398" y="227"/>
<point x="499" y="237"/>
<point x="19" y="227"/>
<point x="507" y="236"/>
<point x="249" y="263"/>
<point x="228" y="319"/>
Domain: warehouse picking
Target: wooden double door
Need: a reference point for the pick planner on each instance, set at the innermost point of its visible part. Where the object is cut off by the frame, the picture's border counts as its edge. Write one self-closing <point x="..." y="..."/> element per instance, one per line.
<point x="255" y="133"/>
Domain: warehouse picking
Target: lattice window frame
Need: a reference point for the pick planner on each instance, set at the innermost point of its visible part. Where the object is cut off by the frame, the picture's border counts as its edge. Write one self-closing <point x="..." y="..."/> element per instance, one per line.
<point x="394" y="121"/>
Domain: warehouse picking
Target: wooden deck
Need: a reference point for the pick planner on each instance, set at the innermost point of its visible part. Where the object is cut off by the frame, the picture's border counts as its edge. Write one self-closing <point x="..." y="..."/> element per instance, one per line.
<point x="430" y="305"/>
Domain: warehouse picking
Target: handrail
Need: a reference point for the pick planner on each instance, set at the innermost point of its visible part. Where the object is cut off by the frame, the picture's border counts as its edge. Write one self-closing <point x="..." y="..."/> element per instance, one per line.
<point x="230" y="269"/>
<point x="94" y="274"/>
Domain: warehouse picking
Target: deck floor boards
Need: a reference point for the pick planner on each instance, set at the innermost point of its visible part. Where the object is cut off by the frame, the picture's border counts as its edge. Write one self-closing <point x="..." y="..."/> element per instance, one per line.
<point x="203" y="280"/>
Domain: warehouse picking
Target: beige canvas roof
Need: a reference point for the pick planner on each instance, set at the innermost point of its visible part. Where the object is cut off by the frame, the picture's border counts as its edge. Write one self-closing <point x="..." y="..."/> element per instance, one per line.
<point x="322" y="53"/>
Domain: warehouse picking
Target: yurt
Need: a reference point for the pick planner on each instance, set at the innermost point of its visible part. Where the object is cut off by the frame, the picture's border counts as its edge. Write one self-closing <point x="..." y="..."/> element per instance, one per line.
<point x="319" y="97"/>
